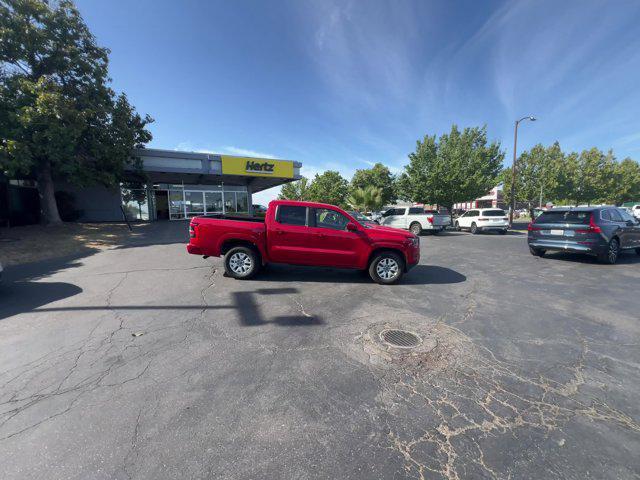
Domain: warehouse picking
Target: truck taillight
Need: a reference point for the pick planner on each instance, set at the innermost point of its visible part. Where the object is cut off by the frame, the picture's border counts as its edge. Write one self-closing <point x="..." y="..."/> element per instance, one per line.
<point x="430" y="219"/>
<point x="532" y="228"/>
<point x="192" y="230"/>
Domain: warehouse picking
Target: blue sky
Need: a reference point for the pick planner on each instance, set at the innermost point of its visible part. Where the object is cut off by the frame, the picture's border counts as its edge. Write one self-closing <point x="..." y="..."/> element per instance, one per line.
<point x="344" y="84"/>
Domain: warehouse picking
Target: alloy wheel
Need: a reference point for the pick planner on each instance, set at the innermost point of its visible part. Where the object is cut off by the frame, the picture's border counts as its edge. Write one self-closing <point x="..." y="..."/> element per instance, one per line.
<point x="387" y="268"/>
<point x="240" y="263"/>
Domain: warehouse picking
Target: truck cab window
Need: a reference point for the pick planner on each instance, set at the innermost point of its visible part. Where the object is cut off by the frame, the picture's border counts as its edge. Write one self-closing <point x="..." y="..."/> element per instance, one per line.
<point x="325" y="218"/>
<point x="292" y="215"/>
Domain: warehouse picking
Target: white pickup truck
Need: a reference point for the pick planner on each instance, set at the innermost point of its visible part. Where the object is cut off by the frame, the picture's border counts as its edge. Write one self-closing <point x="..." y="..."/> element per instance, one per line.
<point x="415" y="219"/>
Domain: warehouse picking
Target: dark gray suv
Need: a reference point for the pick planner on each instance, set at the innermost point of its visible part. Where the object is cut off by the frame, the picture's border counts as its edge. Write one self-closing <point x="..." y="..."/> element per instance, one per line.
<point x="600" y="231"/>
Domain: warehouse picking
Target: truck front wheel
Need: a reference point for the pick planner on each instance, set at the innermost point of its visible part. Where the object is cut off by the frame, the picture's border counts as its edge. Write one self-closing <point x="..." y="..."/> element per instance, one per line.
<point x="386" y="268"/>
<point x="241" y="263"/>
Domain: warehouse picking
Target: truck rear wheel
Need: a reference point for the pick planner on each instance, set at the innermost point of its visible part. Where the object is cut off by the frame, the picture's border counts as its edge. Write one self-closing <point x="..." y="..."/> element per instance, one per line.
<point x="415" y="228"/>
<point x="241" y="263"/>
<point x="386" y="268"/>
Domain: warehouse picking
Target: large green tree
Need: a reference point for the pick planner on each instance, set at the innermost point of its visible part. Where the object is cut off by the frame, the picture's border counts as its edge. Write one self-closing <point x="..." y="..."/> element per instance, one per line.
<point x="457" y="167"/>
<point x="627" y="182"/>
<point x="298" y="190"/>
<point x="329" y="187"/>
<point x="537" y="175"/>
<point x="59" y="119"/>
<point x="378" y="176"/>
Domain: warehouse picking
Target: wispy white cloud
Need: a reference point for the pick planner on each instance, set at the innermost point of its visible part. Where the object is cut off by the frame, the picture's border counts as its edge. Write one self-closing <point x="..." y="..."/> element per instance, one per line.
<point x="245" y="152"/>
<point x="364" y="53"/>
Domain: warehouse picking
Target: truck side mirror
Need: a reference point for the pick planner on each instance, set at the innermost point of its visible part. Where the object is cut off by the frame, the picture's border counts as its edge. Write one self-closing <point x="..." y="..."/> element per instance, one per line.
<point x="351" y="227"/>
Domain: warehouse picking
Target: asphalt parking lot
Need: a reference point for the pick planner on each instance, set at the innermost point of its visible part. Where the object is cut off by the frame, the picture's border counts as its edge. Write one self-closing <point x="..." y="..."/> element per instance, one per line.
<point x="143" y="362"/>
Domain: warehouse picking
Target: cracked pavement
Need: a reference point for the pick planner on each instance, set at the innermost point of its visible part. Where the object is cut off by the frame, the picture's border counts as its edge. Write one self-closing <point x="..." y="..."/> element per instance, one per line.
<point x="143" y="362"/>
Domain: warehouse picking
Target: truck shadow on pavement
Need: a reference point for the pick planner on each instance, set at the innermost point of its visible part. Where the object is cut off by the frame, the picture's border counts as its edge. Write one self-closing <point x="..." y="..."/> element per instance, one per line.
<point x="251" y="315"/>
<point x="418" y="275"/>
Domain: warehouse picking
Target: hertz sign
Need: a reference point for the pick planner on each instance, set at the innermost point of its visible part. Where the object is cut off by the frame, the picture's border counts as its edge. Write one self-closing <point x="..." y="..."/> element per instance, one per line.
<point x="256" y="167"/>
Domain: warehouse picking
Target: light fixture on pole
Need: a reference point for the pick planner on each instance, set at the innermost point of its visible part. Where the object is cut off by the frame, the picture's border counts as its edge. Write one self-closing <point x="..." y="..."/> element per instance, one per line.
<point x="513" y="168"/>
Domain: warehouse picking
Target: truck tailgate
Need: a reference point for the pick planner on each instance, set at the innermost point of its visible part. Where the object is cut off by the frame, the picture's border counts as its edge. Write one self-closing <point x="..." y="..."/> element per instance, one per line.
<point x="441" y="220"/>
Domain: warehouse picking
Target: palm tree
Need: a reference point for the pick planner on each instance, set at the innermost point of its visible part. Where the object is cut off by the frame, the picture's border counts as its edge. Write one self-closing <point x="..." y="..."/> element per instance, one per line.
<point x="366" y="199"/>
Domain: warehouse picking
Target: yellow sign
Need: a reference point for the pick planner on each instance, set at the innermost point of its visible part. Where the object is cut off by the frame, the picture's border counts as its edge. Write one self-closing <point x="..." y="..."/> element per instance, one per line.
<point x="256" y="167"/>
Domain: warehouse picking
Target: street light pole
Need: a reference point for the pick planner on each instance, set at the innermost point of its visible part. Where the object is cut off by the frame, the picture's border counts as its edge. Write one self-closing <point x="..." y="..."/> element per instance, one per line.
<point x="513" y="168"/>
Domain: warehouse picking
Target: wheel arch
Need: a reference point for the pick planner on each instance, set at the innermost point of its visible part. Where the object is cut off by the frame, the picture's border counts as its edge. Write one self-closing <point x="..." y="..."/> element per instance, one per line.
<point x="240" y="242"/>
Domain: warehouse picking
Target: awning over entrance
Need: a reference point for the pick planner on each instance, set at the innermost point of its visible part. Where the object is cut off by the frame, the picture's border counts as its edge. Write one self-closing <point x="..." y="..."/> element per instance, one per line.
<point x="191" y="168"/>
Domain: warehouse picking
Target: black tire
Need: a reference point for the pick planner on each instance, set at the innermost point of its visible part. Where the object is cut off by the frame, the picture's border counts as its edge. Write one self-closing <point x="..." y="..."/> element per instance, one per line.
<point x="436" y="231"/>
<point x="415" y="228"/>
<point x="378" y="275"/>
<point x="502" y="232"/>
<point x="241" y="263"/>
<point x="536" y="252"/>
<point x="457" y="227"/>
<point x="474" y="228"/>
<point x="610" y="257"/>
<point x="637" y="251"/>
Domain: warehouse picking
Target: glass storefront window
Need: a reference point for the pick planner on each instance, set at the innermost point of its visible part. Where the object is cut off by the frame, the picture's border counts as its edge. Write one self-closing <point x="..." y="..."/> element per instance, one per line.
<point x="176" y="204"/>
<point x="230" y="202"/>
<point x="242" y="200"/>
<point x="213" y="202"/>
<point x="135" y="202"/>
<point x="194" y="203"/>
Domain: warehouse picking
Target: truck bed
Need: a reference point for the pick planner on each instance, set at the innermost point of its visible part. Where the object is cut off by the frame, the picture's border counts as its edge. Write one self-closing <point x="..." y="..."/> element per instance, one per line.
<point x="239" y="218"/>
<point x="210" y="232"/>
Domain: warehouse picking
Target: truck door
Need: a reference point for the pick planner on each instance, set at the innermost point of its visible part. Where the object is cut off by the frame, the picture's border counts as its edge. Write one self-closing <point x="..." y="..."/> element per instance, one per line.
<point x="289" y="237"/>
<point x="387" y="217"/>
<point x="395" y="217"/>
<point x="331" y="243"/>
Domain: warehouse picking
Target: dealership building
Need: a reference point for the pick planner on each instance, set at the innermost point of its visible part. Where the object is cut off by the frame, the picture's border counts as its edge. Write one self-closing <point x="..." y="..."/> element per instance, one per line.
<point x="178" y="185"/>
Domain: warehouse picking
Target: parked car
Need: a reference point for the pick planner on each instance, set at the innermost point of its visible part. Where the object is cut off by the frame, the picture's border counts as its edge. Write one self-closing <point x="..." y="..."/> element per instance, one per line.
<point x="375" y="216"/>
<point x="600" y="231"/>
<point x="415" y="219"/>
<point x="482" y="220"/>
<point x="362" y="218"/>
<point x="259" y="209"/>
<point x="304" y="233"/>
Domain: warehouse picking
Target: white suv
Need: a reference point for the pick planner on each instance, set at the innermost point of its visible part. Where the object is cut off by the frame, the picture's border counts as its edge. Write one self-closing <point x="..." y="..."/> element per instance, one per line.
<point x="482" y="219"/>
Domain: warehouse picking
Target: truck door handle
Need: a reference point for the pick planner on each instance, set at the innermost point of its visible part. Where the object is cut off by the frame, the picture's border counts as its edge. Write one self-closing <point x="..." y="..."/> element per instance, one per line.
<point x="279" y="232"/>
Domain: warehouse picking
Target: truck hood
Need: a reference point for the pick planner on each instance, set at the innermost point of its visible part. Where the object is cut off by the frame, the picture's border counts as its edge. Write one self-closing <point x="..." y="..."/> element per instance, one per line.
<point x="380" y="232"/>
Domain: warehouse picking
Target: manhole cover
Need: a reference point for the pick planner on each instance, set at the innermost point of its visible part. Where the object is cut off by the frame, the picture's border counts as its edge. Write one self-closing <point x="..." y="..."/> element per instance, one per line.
<point x="400" y="338"/>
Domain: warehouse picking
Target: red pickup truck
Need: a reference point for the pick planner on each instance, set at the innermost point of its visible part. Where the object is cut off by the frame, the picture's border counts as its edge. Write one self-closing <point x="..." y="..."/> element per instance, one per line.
<point x="304" y="233"/>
